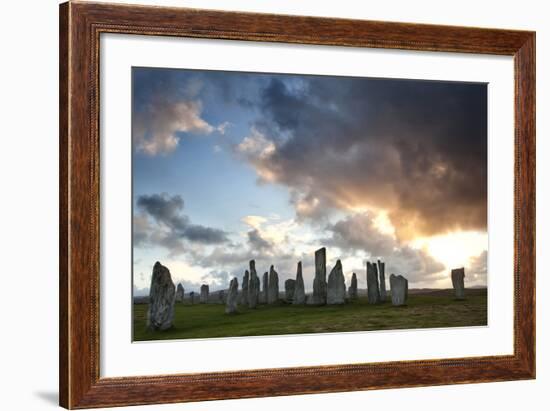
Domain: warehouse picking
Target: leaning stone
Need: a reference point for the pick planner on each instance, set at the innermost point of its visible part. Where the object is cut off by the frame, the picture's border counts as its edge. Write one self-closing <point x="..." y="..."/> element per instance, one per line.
<point x="382" y="283"/>
<point x="399" y="289"/>
<point x="273" y="286"/>
<point x="290" y="287"/>
<point x="320" y="280"/>
<point x="232" y="297"/>
<point x="457" y="276"/>
<point x="299" y="291"/>
<point x="180" y="293"/>
<point x="253" y="286"/>
<point x="372" y="283"/>
<point x="162" y="296"/>
<point x="352" y="290"/>
<point x="336" y="287"/>
<point x="204" y="294"/>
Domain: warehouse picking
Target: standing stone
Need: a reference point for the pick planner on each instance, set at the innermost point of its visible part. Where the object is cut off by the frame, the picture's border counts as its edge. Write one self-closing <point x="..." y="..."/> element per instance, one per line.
<point x="253" y="286"/>
<point x="192" y="297"/>
<point x="204" y="294"/>
<point x="244" y="287"/>
<point x="372" y="283"/>
<point x="352" y="290"/>
<point x="162" y="296"/>
<point x="299" y="290"/>
<point x="221" y="296"/>
<point x="382" y="275"/>
<point x="273" y="286"/>
<point x="336" y="287"/>
<point x="180" y="292"/>
<point x="320" y="280"/>
<point x="265" y="286"/>
<point x="457" y="275"/>
<point x="290" y="288"/>
<point x="232" y="297"/>
<point x="399" y="289"/>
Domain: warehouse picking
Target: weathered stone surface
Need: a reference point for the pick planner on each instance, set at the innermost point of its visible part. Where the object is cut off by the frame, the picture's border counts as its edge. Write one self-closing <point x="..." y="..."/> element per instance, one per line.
<point x="352" y="290"/>
<point x="320" y="280"/>
<point x="243" y="298"/>
<point x="204" y="294"/>
<point x="265" y="286"/>
<point x="273" y="286"/>
<point x="372" y="283"/>
<point x="299" y="290"/>
<point x="399" y="289"/>
<point x="336" y="287"/>
<point x="192" y="297"/>
<point x="253" y="286"/>
<point x="457" y="276"/>
<point x="232" y="297"/>
<point x="162" y="296"/>
<point x="180" y="293"/>
<point x="382" y="282"/>
<point x="290" y="287"/>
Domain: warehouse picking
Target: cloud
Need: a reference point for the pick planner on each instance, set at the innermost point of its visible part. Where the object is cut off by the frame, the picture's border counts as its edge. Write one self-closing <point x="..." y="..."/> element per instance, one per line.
<point x="171" y="227"/>
<point x="256" y="240"/>
<point x="166" y="105"/>
<point x="359" y="233"/>
<point x="217" y="279"/>
<point x="476" y="272"/>
<point x="254" y="221"/>
<point x="417" y="149"/>
<point x="222" y="128"/>
<point x="156" y="128"/>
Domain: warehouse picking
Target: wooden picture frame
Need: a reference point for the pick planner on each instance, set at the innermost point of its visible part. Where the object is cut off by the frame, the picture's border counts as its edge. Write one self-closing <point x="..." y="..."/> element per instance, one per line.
<point x="80" y="27"/>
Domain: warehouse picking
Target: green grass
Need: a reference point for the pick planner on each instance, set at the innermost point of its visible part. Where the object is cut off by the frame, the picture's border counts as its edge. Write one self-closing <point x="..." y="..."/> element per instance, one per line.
<point x="422" y="311"/>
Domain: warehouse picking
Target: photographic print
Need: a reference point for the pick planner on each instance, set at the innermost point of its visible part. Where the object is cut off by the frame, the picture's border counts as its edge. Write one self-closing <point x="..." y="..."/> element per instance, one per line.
<point x="272" y="204"/>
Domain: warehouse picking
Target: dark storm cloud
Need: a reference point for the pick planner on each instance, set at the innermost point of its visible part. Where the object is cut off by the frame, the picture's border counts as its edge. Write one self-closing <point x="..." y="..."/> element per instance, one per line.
<point x="172" y="225"/>
<point x="358" y="232"/>
<point x="415" y="148"/>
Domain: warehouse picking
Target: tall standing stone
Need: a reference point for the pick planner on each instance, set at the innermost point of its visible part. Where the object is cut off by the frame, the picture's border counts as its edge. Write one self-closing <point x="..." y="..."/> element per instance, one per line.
<point x="336" y="287"/>
<point x="232" y="297"/>
<point x="244" y="287"/>
<point x="320" y="280"/>
<point x="204" y="294"/>
<point x="253" y="286"/>
<point x="180" y="293"/>
<point x="372" y="283"/>
<point x="290" y="288"/>
<point x="273" y="286"/>
<point x="352" y="290"/>
<point x="399" y="289"/>
<point x="382" y="275"/>
<point x="265" y="286"/>
<point x="299" y="290"/>
<point x="162" y="296"/>
<point x="457" y="276"/>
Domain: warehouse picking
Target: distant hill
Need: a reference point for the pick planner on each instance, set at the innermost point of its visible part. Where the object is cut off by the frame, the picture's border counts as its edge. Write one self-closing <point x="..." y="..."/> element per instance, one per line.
<point x="214" y="297"/>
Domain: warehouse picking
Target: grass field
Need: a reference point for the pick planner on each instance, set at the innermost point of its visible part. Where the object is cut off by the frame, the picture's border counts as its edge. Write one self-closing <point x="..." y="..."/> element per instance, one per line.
<point x="430" y="310"/>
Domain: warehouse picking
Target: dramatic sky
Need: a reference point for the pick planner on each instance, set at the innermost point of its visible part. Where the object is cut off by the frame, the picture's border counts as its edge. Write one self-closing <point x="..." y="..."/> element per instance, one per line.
<point x="233" y="166"/>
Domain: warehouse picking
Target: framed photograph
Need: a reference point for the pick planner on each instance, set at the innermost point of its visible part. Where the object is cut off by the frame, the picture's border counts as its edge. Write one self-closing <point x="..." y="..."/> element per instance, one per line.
<point x="260" y="205"/>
